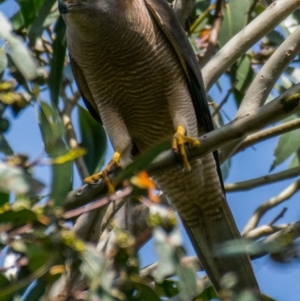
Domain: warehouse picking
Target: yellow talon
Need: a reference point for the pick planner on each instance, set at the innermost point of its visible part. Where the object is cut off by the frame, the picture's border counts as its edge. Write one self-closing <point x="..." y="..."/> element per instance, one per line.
<point x="179" y="140"/>
<point x="113" y="163"/>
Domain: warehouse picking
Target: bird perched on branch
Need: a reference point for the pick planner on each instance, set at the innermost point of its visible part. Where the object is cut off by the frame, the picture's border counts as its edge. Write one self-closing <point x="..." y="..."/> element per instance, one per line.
<point x="138" y="75"/>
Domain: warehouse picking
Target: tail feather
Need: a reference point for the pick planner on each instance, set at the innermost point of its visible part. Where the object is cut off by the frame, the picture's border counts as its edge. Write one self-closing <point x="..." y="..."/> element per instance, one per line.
<point x="206" y="241"/>
<point x="199" y="199"/>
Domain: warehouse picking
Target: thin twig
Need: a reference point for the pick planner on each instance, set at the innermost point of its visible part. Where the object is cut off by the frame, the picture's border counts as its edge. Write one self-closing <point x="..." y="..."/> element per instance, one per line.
<point x="267" y="179"/>
<point x="263" y="231"/>
<point x="264" y="82"/>
<point x="214" y="33"/>
<point x="269" y="133"/>
<point x="283" y="196"/>
<point x="99" y="203"/>
<point x="224" y="100"/>
<point x="278" y="216"/>
<point x="69" y="104"/>
<point x="251" y="9"/>
<point x="246" y="38"/>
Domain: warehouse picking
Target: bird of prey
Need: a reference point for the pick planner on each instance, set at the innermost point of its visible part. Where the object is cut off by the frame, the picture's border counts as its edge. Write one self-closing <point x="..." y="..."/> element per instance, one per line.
<point x="138" y="75"/>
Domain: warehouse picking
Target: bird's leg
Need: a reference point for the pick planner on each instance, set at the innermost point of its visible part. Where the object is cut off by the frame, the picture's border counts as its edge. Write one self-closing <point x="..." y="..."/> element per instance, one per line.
<point x="179" y="140"/>
<point x="114" y="163"/>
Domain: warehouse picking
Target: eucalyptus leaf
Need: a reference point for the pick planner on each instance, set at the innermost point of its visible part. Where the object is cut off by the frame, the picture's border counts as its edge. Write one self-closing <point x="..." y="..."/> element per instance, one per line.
<point x="4" y="198"/>
<point x="287" y="145"/>
<point x="93" y="140"/>
<point x="18" y="217"/>
<point x="37" y="26"/>
<point x="3" y="59"/>
<point x="53" y="131"/>
<point x="187" y="283"/>
<point x="241" y="75"/>
<point x="17" y="50"/>
<point x="234" y="22"/>
<point x="37" y="291"/>
<point x="4" y="282"/>
<point x="4" y="146"/>
<point x="57" y="61"/>
<point x="295" y="160"/>
<point x="166" y="259"/>
<point x="167" y="288"/>
<point x="141" y="162"/>
<point x="145" y="292"/>
<point x="96" y="270"/>
<point x="29" y="9"/>
<point x="15" y="179"/>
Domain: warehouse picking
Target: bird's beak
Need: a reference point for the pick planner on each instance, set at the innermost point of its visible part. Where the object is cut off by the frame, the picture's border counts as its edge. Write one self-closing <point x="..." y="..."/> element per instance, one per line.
<point x="63" y="7"/>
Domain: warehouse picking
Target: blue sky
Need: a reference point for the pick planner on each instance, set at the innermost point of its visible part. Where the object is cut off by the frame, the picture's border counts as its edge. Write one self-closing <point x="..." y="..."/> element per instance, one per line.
<point x="279" y="281"/>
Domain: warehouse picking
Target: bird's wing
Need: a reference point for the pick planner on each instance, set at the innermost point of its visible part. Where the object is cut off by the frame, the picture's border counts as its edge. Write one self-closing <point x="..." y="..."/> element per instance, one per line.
<point x="225" y="228"/>
<point x="84" y="89"/>
<point x="167" y="21"/>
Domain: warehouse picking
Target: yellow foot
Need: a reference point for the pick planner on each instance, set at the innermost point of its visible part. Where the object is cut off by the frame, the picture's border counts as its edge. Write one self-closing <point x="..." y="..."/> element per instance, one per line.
<point x="114" y="163"/>
<point x="179" y="140"/>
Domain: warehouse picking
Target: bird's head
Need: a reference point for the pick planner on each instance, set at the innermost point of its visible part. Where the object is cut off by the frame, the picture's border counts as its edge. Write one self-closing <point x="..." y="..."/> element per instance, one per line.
<point x="81" y="12"/>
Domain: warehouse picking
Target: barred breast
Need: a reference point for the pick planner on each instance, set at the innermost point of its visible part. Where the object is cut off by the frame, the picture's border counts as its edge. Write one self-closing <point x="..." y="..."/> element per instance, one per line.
<point x="131" y="69"/>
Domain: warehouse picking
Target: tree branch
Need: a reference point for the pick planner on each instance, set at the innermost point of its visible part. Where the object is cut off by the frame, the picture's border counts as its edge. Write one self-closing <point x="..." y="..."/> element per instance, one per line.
<point x="281" y="107"/>
<point x="269" y="204"/>
<point x="246" y="38"/>
<point x="264" y="81"/>
<point x="269" y="133"/>
<point x="263" y="231"/>
<point x="214" y="34"/>
<point x="267" y="179"/>
<point x="69" y="104"/>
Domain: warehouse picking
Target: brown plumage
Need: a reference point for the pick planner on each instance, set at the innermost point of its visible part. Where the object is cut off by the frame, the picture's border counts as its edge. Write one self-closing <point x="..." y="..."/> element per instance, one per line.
<point x="136" y="71"/>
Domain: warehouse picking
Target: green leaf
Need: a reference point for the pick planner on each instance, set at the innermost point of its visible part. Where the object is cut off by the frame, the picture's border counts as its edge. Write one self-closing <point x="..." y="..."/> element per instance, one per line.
<point x="17" y="20"/>
<point x="207" y="294"/>
<point x="4" y="198"/>
<point x="17" y="50"/>
<point x="37" y="25"/>
<point x="296" y="160"/>
<point x="145" y="292"/>
<point x="3" y="59"/>
<point x="244" y="74"/>
<point x="4" y="146"/>
<point x="57" y="62"/>
<point x="274" y="37"/>
<point x="37" y="256"/>
<point x="51" y="126"/>
<point x="225" y="168"/>
<point x="96" y="270"/>
<point x="29" y="8"/>
<point x="202" y="5"/>
<point x="93" y="140"/>
<point x="168" y="288"/>
<point x="187" y="281"/>
<point x="18" y="217"/>
<point x="166" y="260"/>
<point x="4" y="282"/>
<point x="234" y="22"/>
<point x="241" y="75"/>
<point x="37" y="291"/>
<point x="142" y="161"/>
<point x="288" y="144"/>
<point x="52" y="132"/>
<point x="53" y="16"/>
<point x="15" y="179"/>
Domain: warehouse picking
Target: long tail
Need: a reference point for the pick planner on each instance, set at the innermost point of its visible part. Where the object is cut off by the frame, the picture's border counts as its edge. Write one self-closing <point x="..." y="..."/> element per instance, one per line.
<point x="199" y="199"/>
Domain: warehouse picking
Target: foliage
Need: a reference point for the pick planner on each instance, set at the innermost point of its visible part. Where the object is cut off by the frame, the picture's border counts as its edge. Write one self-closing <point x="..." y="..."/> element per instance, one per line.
<point x="37" y="242"/>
